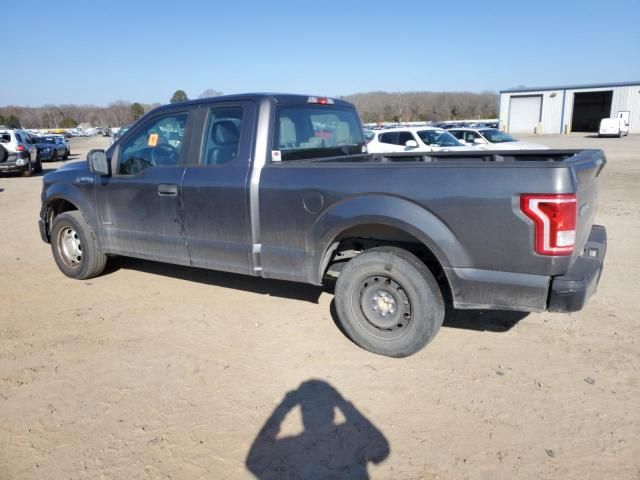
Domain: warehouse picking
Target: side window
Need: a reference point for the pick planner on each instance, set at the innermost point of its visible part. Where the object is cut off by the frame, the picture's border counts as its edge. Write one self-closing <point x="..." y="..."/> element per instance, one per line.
<point x="457" y="133"/>
<point x="158" y="144"/>
<point x="470" y="136"/>
<point x="222" y="135"/>
<point x="403" y="137"/>
<point x="389" y="137"/>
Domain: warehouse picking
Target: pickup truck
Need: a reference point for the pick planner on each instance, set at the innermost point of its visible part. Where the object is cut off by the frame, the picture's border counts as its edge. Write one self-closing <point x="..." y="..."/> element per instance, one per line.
<point x="282" y="187"/>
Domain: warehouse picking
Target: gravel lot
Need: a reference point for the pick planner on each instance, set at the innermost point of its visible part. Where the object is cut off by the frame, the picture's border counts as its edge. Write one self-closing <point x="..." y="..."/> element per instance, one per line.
<point x="158" y="371"/>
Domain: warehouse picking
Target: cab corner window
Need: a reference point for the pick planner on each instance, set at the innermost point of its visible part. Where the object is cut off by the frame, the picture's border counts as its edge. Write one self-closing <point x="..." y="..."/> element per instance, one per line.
<point x="158" y="144"/>
<point x="222" y="136"/>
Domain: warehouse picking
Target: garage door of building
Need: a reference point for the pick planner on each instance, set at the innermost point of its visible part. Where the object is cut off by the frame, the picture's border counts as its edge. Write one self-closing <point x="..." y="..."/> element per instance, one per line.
<point x="524" y="113"/>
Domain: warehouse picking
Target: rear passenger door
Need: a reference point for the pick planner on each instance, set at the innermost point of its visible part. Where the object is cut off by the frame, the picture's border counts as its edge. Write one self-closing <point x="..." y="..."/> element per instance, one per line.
<point x="215" y="189"/>
<point x="389" y="142"/>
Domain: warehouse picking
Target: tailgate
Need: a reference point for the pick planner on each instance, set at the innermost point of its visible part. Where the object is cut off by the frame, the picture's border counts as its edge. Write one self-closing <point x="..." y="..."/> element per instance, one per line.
<point x="586" y="167"/>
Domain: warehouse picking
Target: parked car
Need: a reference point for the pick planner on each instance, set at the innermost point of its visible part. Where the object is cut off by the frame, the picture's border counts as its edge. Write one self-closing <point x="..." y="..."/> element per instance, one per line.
<point x="415" y="139"/>
<point x="613" y="127"/>
<point x="492" y="139"/>
<point x="46" y="150"/>
<point x="257" y="189"/>
<point x="121" y="131"/>
<point x="18" y="153"/>
<point x="56" y="144"/>
<point x="60" y="138"/>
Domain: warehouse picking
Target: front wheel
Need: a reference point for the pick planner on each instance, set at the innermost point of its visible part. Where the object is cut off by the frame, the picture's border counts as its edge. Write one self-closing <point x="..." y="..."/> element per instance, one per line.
<point x="74" y="247"/>
<point x="388" y="302"/>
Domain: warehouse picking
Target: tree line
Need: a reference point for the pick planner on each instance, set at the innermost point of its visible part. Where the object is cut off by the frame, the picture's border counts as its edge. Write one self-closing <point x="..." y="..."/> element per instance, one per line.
<point x="372" y="106"/>
<point x="424" y="106"/>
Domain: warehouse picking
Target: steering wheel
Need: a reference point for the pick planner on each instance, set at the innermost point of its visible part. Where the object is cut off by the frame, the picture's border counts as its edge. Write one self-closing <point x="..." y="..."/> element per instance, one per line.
<point x="164" y="154"/>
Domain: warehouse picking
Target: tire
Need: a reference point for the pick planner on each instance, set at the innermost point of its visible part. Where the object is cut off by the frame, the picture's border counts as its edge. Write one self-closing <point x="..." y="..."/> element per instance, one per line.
<point x="66" y="154"/>
<point x="388" y="302"/>
<point x="27" y="172"/>
<point x="3" y="153"/>
<point x="38" y="168"/>
<point x="74" y="247"/>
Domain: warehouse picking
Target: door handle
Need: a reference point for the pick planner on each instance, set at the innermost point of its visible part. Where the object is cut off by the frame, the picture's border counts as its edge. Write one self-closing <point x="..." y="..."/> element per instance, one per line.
<point x="167" y="190"/>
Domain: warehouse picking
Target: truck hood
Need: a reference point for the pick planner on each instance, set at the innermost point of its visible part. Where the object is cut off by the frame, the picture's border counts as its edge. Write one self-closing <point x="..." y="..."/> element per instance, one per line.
<point x="67" y="172"/>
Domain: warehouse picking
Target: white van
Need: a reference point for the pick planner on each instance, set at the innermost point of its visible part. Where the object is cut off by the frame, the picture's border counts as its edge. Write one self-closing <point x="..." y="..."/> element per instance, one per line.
<point x="613" y="127"/>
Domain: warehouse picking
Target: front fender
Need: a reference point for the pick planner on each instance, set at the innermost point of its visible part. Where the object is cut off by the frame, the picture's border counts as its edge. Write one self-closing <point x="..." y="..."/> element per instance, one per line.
<point x="72" y="194"/>
<point x="387" y="210"/>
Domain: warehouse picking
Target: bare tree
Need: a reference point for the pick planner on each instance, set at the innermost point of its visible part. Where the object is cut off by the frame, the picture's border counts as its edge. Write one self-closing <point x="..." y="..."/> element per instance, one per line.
<point x="210" y="92"/>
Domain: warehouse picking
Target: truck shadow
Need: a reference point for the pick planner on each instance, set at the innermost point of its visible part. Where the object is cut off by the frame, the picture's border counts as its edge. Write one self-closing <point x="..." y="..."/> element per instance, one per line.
<point x="262" y="286"/>
<point x="479" y="320"/>
<point x="483" y="320"/>
<point x="326" y="448"/>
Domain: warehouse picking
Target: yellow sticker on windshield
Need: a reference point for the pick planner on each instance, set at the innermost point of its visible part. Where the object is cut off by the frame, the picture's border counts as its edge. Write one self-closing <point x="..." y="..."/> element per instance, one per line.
<point x="153" y="140"/>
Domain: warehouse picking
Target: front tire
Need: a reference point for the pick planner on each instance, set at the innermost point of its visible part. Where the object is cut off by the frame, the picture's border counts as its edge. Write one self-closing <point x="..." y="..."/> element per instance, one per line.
<point x="74" y="247"/>
<point x="388" y="302"/>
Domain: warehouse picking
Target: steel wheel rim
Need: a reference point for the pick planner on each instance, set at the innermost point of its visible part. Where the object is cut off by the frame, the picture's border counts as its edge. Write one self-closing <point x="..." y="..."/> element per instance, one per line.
<point x="384" y="305"/>
<point x="70" y="246"/>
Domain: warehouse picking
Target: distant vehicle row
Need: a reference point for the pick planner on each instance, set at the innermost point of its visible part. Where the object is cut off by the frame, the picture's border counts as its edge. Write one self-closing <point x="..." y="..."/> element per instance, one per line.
<point x="22" y="152"/>
<point x="430" y="139"/>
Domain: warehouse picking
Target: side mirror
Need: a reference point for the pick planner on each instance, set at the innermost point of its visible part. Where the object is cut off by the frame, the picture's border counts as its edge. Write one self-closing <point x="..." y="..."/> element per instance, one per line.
<point x="411" y="144"/>
<point x="98" y="162"/>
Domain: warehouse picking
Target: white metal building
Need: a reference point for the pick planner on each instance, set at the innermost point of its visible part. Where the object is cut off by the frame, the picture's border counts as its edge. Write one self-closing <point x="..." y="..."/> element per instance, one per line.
<point x="568" y="109"/>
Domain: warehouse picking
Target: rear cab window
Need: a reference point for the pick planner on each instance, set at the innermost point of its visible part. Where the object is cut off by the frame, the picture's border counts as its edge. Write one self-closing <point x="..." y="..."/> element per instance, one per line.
<point x="311" y="131"/>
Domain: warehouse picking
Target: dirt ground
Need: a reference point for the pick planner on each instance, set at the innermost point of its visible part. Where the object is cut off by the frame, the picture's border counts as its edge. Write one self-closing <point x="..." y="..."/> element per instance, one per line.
<point x="163" y="372"/>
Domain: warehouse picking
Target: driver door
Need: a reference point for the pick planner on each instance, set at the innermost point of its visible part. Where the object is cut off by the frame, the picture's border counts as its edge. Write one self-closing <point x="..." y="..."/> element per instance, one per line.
<point x="139" y="204"/>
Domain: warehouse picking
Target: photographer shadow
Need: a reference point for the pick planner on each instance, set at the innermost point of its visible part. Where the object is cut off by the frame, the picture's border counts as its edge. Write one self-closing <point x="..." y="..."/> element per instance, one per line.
<point x="325" y="449"/>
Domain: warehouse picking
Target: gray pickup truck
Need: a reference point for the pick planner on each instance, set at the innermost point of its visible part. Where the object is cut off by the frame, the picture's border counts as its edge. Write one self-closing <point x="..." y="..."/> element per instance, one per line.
<point x="282" y="186"/>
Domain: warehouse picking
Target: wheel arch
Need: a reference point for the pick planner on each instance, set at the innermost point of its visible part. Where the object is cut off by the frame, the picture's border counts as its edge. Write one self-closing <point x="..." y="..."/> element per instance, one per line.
<point x="60" y="198"/>
<point x="387" y="220"/>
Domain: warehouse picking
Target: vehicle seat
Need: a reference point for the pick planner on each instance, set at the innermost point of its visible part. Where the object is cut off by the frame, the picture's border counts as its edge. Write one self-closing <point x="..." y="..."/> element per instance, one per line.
<point x="225" y="137"/>
<point x="288" y="138"/>
<point x="342" y="134"/>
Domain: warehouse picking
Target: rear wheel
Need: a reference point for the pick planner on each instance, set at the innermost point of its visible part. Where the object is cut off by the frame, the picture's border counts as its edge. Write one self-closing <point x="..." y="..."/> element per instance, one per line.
<point x="66" y="154"/>
<point x="74" y="247"/>
<point x="38" y="168"/>
<point x="388" y="302"/>
<point x="27" y="172"/>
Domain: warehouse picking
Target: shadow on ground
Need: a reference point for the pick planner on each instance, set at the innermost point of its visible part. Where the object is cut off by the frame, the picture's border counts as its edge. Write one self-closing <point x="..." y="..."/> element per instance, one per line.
<point x="483" y="320"/>
<point x="480" y="320"/>
<point x="326" y="448"/>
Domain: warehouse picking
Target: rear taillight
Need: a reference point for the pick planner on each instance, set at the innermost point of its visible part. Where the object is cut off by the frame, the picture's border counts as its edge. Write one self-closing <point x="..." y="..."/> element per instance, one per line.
<point x="554" y="218"/>
<point x="19" y="148"/>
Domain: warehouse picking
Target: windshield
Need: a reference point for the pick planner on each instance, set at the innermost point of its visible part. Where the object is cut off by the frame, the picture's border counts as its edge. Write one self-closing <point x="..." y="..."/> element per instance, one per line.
<point x="494" y="135"/>
<point x="438" y="138"/>
<point x="317" y="131"/>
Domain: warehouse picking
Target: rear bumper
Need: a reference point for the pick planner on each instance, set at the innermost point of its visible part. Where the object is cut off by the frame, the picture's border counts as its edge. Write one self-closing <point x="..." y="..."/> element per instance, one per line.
<point x="570" y="292"/>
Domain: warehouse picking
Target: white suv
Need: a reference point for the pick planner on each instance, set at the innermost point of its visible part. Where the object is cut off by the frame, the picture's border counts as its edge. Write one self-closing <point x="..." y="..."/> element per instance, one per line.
<point x="18" y="152"/>
<point x="413" y="139"/>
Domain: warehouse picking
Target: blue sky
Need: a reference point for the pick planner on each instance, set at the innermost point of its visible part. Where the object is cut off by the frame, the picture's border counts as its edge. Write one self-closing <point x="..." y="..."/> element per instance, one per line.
<point x="90" y="52"/>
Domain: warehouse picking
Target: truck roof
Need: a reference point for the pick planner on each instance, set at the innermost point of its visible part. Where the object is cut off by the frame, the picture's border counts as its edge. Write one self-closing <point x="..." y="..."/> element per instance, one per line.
<point x="288" y="98"/>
